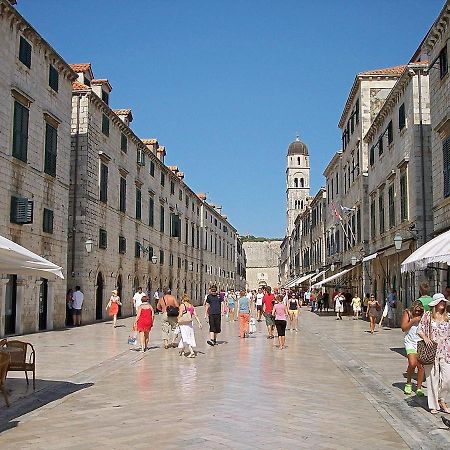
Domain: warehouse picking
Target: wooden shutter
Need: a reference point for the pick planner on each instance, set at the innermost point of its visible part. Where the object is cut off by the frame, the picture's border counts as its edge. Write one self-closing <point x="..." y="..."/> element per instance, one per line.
<point x="103" y="183"/>
<point x="137" y="249"/>
<point x="151" y="212"/>
<point x="20" y="132"/>
<point x="21" y="210"/>
<point x="25" y="52"/>
<point x="123" y="195"/>
<point x="48" y="221"/>
<point x="123" y="143"/>
<point x="122" y="245"/>
<point x="103" y="238"/>
<point x="401" y="117"/>
<point x="446" y="166"/>
<point x="105" y="125"/>
<point x="53" y="76"/>
<point x="390" y="132"/>
<point x="138" y="204"/>
<point x="51" y="142"/>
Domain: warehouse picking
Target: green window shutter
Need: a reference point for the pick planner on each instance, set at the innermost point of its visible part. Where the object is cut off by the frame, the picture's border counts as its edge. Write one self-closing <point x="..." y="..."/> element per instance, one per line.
<point x="372" y="156"/>
<point x="161" y="219"/>
<point x="21" y="210"/>
<point x="150" y="253"/>
<point x="137" y="249"/>
<point x="138" y="204"/>
<point x="20" y="132"/>
<point x="25" y="52"/>
<point x="403" y="198"/>
<point x="103" y="183"/>
<point x="390" y="133"/>
<point x="102" y="238"/>
<point x="123" y="143"/>
<point x="53" y="78"/>
<point x="446" y="166"/>
<point x="151" y="212"/>
<point x="105" y="125"/>
<point x="122" y="245"/>
<point x="123" y="195"/>
<point x="380" y="146"/>
<point x="51" y="143"/>
<point x="161" y="257"/>
<point x="48" y="221"/>
<point x="401" y="117"/>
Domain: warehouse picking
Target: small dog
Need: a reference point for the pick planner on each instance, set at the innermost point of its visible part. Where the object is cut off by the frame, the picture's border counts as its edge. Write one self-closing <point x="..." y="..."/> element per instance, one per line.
<point x="252" y="326"/>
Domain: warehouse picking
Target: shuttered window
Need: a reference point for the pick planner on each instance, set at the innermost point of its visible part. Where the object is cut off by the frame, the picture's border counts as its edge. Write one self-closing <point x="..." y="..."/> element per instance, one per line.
<point x="161" y="257"/>
<point x="105" y="125"/>
<point x="150" y="253"/>
<point x="372" y="155"/>
<point x="163" y="179"/>
<point x="51" y="150"/>
<point x="123" y="143"/>
<point x="25" y="52"/>
<point x="372" y="219"/>
<point x="21" y="210"/>
<point x="53" y="78"/>
<point x="20" y="132"/>
<point x="152" y="169"/>
<point x="123" y="195"/>
<point x="401" y="117"/>
<point x="122" y="245"/>
<point x="381" y="212"/>
<point x="138" y="204"/>
<point x="137" y="249"/>
<point x="391" y="202"/>
<point x="403" y="197"/>
<point x="47" y="226"/>
<point x="151" y="212"/>
<point x="443" y="62"/>
<point x="390" y="133"/>
<point x="103" y="183"/>
<point x="175" y="226"/>
<point x="161" y="219"/>
<point x="102" y="238"/>
<point x="446" y="166"/>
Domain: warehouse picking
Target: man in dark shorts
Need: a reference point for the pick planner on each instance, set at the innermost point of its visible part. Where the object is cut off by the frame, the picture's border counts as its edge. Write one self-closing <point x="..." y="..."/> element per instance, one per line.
<point x="268" y="302"/>
<point x="213" y="307"/>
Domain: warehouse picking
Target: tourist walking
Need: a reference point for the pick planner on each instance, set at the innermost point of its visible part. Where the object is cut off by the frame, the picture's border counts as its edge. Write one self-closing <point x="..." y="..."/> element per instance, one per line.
<point x="113" y="306"/>
<point x="373" y="307"/>
<point x="137" y="298"/>
<point x="280" y="312"/>
<point x="77" y="304"/>
<point x="168" y="305"/>
<point x="231" y="305"/>
<point x="268" y="302"/>
<point x="259" y="304"/>
<point x="409" y="323"/>
<point x="185" y="322"/>
<point x="243" y="307"/>
<point x="293" y="309"/>
<point x="356" y="305"/>
<point x="144" y="322"/>
<point x="435" y="327"/>
<point x="339" y="300"/>
<point x="213" y="305"/>
<point x="425" y="298"/>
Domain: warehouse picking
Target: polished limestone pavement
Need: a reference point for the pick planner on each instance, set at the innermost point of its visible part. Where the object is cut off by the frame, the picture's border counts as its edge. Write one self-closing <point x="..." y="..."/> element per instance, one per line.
<point x="335" y="386"/>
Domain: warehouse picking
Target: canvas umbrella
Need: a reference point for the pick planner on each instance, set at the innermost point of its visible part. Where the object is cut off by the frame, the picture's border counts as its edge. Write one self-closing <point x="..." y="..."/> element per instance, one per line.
<point x="16" y="259"/>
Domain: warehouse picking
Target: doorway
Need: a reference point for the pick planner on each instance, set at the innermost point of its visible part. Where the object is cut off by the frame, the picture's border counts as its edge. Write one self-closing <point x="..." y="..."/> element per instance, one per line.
<point x="119" y="293"/>
<point x="10" y="305"/>
<point x="99" y="297"/>
<point x="43" y="304"/>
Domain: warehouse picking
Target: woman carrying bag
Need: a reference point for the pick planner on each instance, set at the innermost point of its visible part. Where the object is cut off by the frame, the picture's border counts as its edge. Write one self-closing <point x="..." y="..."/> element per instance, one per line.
<point x="434" y="329"/>
<point x="185" y="318"/>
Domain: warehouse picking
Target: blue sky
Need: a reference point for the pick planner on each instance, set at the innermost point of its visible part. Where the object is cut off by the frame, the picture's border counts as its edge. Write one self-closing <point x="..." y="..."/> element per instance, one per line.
<point x="226" y="84"/>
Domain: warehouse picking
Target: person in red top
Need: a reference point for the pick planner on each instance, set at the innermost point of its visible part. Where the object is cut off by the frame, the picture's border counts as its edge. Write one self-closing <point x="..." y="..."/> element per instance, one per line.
<point x="268" y="301"/>
<point x="144" y="322"/>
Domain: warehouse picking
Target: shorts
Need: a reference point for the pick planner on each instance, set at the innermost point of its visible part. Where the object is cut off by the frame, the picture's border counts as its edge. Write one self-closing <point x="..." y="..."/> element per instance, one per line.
<point x="294" y="312"/>
<point x="259" y="307"/>
<point x="357" y="309"/>
<point x="281" y="327"/>
<point x="339" y="309"/>
<point x="76" y="312"/>
<point x="214" y="323"/>
<point x="270" y="322"/>
<point x="411" y="351"/>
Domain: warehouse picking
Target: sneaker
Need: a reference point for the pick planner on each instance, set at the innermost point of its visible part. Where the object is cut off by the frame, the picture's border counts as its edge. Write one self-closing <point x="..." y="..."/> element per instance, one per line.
<point x="211" y="343"/>
<point x="408" y="389"/>
<point x="419" y="393"/>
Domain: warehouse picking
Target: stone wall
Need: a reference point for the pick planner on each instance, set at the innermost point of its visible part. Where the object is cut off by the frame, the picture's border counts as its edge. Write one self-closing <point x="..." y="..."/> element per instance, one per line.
<point x="262" y="263"/>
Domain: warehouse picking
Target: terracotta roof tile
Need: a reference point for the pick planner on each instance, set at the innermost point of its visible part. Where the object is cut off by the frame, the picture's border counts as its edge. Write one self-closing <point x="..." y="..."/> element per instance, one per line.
<point x="77" y="86"/>
<point x="396" y="70"/>
<point x="80" y="67"/>
<point x="99" y="81"/>
<point x="149" y="141"/>
<point x="122" y="112"/>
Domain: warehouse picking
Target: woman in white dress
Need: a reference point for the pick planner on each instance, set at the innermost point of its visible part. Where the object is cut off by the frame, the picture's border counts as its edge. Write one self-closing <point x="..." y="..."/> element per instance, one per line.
<point x="185" y="322"/>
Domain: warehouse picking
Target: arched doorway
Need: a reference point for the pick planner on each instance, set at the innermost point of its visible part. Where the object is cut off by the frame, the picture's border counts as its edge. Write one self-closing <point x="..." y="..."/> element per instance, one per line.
<point x="99" y="297"/>
<point x="43" y="297"/>
<point x="119" y="293"/>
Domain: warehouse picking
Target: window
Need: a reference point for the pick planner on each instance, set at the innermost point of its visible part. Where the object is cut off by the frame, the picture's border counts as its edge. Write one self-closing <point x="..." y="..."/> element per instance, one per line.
<point x="302" y="182"/>
<point x="161" y="257"/>
<point x="105" y="125"/>
<point x="401" y="117"/>
<point x="138" y="204"/>
<point x="151" y="212"/>
<point x="122" y="245"/>
<point x="171" y="259"/>
<point x="25" y="52"/>
<point x="140" y="157"/>
<point x="20" y="132"/>
<point x="180" y="196"/>
<point x="163" y="179"/>
<point x="103" y="183"/>
<point x="193" y="235"/>
<point x="403" y="197"/>
<point x="102" y="238"/>
<point x="443" y="62"/>
<point x="446" y="166"/>
<point x="381" y="212"/>
<point x="53" y="78"/>
<point x="179" y="262"/>
<point x="137" y="249"/>
<point x="186" y="232"/>
<point x="47" y="226"/>
<point x="391" y="202"/>
<point x="295" y="182"/>
<point x="51" y="145"/>
<point x="390" y="133"/>
<point x="123" y="195"/>
<point x="380" y="146"/>
<point x="151" y="169"/>
<point x="372" y="156"/>
<point x="161" y="219"/>
<point x="123" y="142"/>
<point x="21" y="210"/>
<point x="150" y="253"/>
<point x="337" y="184"/>
<point x="372" y="219"/>
<point x="105" y="96"/>
<point x="175" y="226"/>
<point x="172" y="187"/>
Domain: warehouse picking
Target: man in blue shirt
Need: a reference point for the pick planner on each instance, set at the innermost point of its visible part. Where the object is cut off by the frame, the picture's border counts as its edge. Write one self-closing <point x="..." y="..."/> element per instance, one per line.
<point x="214" y="307"/>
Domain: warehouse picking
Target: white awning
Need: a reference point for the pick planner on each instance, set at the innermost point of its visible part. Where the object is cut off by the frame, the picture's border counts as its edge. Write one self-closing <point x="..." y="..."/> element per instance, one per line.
<point x="435" y="251"/>
<point x="370" y="257"/>
<point x="302" y="279"/>
<point x="333" y="277"/>
<point x="318" y="275"/>
<point x="16" y="259"/>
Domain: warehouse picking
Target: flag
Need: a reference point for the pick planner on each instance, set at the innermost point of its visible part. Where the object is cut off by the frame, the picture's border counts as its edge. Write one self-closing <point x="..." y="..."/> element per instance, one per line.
<point x="336" y="212"/>
<point x="346" y="210"/>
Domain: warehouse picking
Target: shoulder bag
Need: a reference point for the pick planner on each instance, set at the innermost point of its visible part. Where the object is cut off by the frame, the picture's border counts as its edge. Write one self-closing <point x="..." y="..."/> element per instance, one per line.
<point x="172" y="311"/>
<point x="426" y="354"/>
<point x="186" y="317"/>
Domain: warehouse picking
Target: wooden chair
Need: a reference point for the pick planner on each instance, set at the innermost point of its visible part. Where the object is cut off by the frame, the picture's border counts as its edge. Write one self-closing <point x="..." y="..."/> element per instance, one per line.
<point x="19" y="360"/>
<point x="3" y="342"/>
<point x="4" y="364"/>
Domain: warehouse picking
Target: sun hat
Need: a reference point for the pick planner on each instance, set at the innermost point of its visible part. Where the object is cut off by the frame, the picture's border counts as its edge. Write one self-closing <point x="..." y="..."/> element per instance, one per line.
<point x="437" y="298"/>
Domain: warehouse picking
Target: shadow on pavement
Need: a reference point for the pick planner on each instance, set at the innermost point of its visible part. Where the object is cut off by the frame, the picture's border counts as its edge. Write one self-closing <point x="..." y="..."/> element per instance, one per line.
<point x="399" y="350"/>
<point x="24" y="401"/>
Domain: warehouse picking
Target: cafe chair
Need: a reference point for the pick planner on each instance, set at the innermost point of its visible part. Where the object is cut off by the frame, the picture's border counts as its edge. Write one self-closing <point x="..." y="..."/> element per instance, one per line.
<point x="3" y="342"/>
<point x="19" y="359"/>
<point x="4" y="364"/>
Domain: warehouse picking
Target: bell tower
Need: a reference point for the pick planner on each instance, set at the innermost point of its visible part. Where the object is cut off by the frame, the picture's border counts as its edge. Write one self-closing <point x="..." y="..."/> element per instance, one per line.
<point x="297" y="182"/>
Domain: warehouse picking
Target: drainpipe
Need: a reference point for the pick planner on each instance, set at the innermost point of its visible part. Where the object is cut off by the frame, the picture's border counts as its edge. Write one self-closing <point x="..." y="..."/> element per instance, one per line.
<point x="75" y="189"/>
<point x="422" y="160"/>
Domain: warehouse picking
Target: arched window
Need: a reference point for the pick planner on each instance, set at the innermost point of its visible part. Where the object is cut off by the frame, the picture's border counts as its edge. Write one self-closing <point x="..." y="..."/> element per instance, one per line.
<point x="302" y="182"/>
<point x="295" y="182"/>
<point x="298" y="160"/>
<point x="301" y="204"/>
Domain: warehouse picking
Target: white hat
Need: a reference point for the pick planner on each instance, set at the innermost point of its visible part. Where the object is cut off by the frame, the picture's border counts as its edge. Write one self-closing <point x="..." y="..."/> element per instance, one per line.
<point x="437" y="298"/>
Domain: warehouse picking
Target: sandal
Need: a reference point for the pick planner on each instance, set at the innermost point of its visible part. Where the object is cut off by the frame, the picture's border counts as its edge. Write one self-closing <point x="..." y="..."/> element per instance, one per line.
<point x="434" y="411"/>
<point x="191" y="355"/>
<point x="444" y="407"/>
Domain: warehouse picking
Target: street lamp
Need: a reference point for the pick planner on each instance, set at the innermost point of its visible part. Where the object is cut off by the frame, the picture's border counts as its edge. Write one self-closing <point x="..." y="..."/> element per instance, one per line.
<point x="89" y="244"/>
<point x="354" y="260"/>
<point x="398" y="242"/>
<point x="332" y="267"/>
<point x="154" y="260"/>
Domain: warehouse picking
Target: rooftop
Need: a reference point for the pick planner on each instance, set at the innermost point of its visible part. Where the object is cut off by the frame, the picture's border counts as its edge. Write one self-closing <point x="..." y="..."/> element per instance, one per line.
<point x="81" y="67"/>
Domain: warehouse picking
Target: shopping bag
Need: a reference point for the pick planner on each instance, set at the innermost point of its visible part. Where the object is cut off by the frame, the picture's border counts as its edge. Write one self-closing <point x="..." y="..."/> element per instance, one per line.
<point x="385" y="311"/>
<point x="132" y="338"/>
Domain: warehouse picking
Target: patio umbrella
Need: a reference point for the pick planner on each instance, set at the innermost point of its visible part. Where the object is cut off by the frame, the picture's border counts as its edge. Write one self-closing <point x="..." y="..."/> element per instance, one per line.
<point x="435" y="251"/>
<point x="16" y="259"/>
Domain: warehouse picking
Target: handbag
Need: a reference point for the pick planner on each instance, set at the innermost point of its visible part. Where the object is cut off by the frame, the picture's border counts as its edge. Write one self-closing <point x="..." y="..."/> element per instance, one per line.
<point x="186" y="318"/>
<point x="378" y="307"/>
<point x="172" y="311"/>
<point x="132" y="338"/>
<point x="426" y="354"/>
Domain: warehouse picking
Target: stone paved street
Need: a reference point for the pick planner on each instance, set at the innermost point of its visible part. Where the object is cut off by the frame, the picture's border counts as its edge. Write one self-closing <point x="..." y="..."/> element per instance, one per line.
<point x="334" y="387"/>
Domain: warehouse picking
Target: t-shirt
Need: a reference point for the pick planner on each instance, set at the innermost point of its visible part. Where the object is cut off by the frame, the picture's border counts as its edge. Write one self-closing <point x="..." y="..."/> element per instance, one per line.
<point x="214" y="302"/>
<point x="77" y="300"/>
<point x="137" y="299"/>
<point x="259" y="299"/>
<point x="356" y="302"/>
<point x="280" y="311"/>
<point x="268" y="300"/>
<point x="425" y="299"/>
<point x="243" y="305"/>
<point x="392" y="299"/>
<point x="339" y="299"/>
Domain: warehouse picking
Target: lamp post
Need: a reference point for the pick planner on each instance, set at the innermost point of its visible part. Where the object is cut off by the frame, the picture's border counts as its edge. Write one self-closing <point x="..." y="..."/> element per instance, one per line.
<point x="354" y="260"/>
<point x="398" y="245"/>
<point x="89" y="244"/>
<point x="398" y="242"/>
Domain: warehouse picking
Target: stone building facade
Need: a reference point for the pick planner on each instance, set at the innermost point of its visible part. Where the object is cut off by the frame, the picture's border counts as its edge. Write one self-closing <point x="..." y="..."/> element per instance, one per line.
<point x="400" y="188"/>
<point x="144" y="226"/>
<point x="262" y="263"/>
<point x="35" y="99"/>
